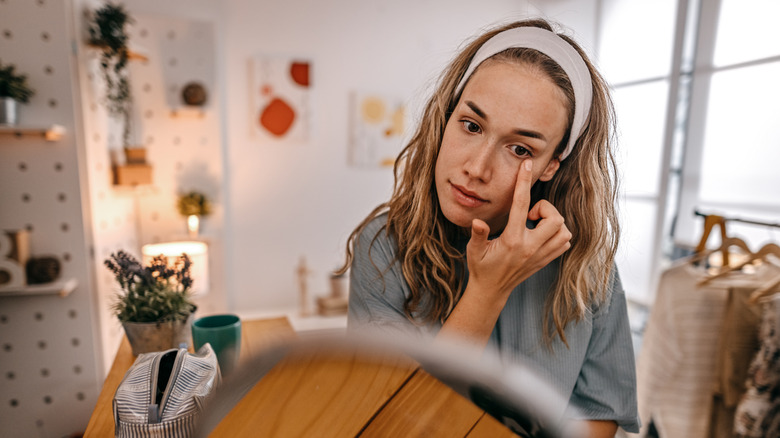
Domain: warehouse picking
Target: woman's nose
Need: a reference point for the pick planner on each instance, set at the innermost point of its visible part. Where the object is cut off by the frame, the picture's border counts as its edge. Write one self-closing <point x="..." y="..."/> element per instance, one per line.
<point x="478" y="165"/>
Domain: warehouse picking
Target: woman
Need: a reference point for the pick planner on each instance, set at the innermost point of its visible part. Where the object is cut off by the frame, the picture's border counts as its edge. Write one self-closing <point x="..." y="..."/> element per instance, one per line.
<point x="502" y="228"/>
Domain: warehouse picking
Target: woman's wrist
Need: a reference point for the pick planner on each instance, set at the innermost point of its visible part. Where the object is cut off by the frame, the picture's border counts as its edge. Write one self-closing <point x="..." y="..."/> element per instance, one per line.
<point x="475" y="315"/>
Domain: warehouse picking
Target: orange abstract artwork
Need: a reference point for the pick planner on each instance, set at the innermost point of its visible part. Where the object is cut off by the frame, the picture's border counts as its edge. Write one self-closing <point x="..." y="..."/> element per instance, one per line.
<point x="282" y="98"/>
<point x="277" y="117"/>
<point x="299" y="72"/>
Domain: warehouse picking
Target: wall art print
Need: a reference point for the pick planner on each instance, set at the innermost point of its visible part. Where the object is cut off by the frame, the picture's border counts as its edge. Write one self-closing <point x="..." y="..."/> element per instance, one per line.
<point x="281" y="86"/>
<point x="376" y="129"/>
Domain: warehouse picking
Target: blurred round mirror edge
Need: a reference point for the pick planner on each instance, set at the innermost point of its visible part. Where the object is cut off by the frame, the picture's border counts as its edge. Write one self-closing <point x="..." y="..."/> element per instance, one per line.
<point x="513" y="393"/>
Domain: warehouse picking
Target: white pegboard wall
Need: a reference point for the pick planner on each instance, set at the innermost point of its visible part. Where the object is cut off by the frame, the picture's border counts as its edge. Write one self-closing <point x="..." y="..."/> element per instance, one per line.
<point x="49" y="375"/>
<point x="184" y="152"/>
<point x="183" y="144"/>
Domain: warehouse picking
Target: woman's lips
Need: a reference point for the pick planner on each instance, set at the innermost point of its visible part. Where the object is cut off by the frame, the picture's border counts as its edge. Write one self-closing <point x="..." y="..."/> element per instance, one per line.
<point x="465" y="197"/>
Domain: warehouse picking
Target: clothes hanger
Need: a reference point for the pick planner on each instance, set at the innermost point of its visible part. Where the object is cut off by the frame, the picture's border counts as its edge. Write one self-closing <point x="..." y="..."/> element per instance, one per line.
<point x="761" y="254"/>
<point x="765" y="290"/>
<point x="710" y="221"/>
<point x="724" y="247"/>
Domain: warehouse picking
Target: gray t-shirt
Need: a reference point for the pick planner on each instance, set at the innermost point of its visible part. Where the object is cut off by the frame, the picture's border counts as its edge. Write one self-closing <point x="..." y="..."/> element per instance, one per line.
<point x="596" y="372"/>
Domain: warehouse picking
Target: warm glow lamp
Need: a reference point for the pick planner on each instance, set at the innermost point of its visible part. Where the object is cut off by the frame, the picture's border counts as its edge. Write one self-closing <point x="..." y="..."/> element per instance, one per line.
<point x="198" y="252"/>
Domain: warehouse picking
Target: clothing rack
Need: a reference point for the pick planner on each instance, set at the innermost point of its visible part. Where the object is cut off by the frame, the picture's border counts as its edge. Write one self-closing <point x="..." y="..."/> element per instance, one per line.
<point x="744" y="221"/>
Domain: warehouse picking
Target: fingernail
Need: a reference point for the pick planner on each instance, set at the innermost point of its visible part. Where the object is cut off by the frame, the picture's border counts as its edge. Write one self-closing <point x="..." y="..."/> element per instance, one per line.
<point x="527" y="164"/>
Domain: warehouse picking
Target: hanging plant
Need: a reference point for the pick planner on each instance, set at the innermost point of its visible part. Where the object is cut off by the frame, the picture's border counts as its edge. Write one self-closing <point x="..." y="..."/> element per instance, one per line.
<point x="107" y="31"/>
<point x="193" y="203"/>
<point x="14" y="85"/>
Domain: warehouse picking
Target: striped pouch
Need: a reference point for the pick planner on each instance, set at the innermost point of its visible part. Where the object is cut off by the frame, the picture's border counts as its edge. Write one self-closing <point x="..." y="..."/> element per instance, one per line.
<point x="163" y="393"/>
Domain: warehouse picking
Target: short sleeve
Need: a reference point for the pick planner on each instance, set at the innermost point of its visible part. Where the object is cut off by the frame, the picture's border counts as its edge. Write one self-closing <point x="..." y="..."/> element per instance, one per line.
<point x="606" y="385"/>
<point x="377" y="289"/>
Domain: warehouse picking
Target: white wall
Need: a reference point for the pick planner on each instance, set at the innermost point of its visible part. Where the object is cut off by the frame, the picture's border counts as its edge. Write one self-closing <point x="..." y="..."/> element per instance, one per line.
<point x="50" y="366"/>
<point x="292" y="201"/>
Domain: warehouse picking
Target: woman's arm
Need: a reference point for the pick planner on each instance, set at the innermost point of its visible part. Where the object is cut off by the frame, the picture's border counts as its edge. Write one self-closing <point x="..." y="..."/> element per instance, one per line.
<point x="598" y="428"/>
<point x="497" y="266"/>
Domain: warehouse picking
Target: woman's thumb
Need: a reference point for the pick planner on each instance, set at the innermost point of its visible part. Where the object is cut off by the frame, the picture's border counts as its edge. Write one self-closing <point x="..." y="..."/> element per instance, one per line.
<point x="479" y="236"/>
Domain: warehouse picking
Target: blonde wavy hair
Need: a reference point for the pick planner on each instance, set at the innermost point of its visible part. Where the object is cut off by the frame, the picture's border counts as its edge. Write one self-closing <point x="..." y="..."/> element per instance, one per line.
<point x="584" y="190"/>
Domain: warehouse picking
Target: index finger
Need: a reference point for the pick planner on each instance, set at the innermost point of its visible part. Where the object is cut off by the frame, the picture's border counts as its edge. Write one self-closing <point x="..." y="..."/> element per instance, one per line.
<point x="521" y="200"/>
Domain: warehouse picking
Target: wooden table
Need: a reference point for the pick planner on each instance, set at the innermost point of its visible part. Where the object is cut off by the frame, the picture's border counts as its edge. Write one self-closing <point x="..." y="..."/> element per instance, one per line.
<point x="327" y="397"/>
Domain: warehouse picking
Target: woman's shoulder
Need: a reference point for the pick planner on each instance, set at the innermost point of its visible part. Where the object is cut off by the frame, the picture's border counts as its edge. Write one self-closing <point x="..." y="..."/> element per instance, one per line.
<point x="375" y="237"/>
<point x="613" y="295"/>
<point x="375" y="226"/>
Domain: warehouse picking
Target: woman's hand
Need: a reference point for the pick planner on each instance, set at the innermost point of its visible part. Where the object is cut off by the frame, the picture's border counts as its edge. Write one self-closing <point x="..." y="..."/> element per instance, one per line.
<point x="499" y="265"/>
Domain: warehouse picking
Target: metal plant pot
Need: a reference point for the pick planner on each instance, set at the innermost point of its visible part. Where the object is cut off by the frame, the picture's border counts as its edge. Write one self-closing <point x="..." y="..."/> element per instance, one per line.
<point x="8" y="111"/>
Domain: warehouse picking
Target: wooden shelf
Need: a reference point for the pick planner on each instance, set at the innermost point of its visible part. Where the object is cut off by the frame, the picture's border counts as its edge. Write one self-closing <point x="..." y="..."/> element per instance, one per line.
<point x="50" y="133"/>
<point x="61" y="288"/>
<point x="190" y="112"/>
<point x="132" y="55"/>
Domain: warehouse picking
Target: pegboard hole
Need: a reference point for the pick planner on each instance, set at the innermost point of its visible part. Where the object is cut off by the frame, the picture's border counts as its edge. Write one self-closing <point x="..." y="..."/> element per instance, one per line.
<point x="65" y="227"/>
<point x="53" y="103"/>
<point x="66" y="256"/>
<point x="10" y="375"/>
<point x="26" y="197"/>
<point x="22" y="166"/>
<point x="29" y="227"/>
<point x="75" y="342"/>
<point x="58" y="167"/>
<point x="47" y="399"/>
<point x="49" y="70"/>
<point x="77" y="369"/>
<point x="3" y="319"/>
<point x="80" y="396"/>
<point x="42" y="345"/>
<point x="8" y="348"/>
<point x="45" y="36"/>
<point x="44" y="372"/>
<point x="61" y="197"/>
<point x="8" y="34"/>
<point x="14" y="403"/>
<point x="38" y="316"/>
<point x="72" y="314"/>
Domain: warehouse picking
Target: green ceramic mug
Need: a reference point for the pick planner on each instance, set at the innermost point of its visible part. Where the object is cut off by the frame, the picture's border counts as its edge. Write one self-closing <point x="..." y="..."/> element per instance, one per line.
<point x="223" y="332"/>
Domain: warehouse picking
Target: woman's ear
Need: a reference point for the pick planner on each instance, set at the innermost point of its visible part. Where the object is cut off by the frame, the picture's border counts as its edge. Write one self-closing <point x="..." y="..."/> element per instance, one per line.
<point x="550" y="170"/>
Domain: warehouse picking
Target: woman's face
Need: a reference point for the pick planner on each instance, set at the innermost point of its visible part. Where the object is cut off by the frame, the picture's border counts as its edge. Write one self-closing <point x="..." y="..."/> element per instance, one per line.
<point x="507" y="113"/>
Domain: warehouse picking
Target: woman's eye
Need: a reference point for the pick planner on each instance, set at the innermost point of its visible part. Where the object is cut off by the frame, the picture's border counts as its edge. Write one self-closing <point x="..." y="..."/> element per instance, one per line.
<point x="520" y="151"/>
<point x="470" y="126"/>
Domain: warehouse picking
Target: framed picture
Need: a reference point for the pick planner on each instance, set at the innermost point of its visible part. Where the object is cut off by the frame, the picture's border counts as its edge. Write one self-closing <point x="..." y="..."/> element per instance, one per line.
<point x="281" y="87"/>
<point x="376" y="129"/>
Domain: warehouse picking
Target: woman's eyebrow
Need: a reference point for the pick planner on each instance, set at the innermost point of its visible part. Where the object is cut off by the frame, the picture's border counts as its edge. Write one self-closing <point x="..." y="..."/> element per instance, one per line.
<point x="476" y="109"/>
<point x="522" y="132"/>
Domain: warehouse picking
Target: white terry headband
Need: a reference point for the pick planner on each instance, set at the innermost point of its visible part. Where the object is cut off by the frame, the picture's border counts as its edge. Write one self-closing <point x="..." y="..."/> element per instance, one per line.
<point x="559" y="51"/>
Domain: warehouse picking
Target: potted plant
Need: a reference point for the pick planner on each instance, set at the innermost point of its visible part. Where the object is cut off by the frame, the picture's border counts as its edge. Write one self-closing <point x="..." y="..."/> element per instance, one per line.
<point x="13" y="89"/>
<point x="193" y="205"/>
<point x="107" y="31"/>
<point x="154" y="305"/>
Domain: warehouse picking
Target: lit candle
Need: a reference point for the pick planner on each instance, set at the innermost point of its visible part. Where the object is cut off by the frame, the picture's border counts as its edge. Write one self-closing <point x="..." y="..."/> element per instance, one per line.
<point x="193" y="225"/>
